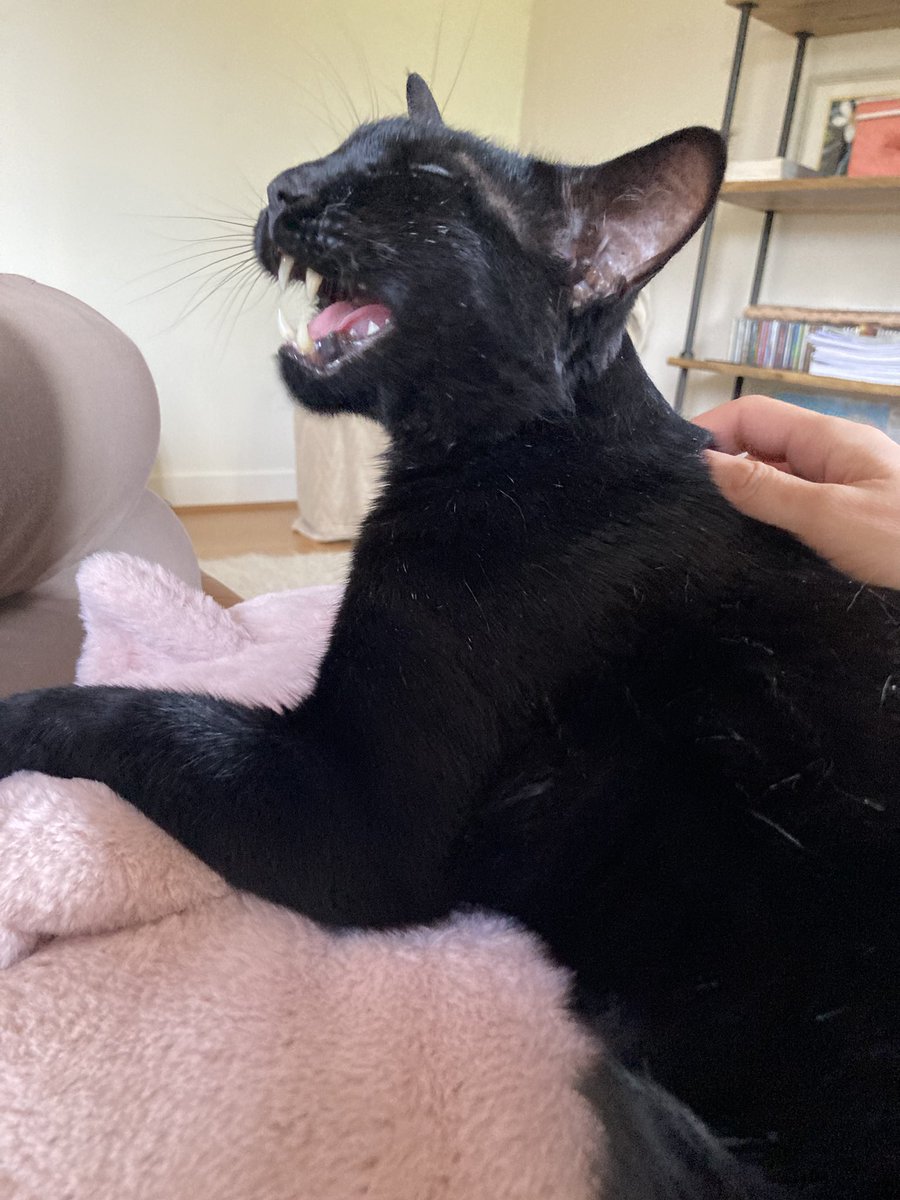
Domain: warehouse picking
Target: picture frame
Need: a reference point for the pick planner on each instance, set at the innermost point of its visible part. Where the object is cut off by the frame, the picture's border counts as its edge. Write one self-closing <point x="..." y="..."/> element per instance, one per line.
<point x="826" y="114"/>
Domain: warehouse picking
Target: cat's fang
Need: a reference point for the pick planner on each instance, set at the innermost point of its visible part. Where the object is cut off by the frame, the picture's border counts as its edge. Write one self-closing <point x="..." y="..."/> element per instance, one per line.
<point x="298" y="337"/>
<point x="284" y="270"/>
<point x="313" y="283"/>
<point x="285" y="329"/>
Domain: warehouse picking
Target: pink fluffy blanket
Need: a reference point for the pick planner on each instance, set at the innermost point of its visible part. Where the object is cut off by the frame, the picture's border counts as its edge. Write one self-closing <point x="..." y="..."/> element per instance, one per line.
<point x="164" y="1037"/>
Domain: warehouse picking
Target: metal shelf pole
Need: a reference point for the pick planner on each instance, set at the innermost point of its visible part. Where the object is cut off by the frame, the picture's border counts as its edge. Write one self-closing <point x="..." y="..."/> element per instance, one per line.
<point x="706" y="237"/>
<point x="786" y="125"/>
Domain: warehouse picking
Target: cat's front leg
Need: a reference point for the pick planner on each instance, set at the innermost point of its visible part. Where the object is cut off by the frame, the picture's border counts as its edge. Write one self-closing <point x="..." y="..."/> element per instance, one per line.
<point x="257" y="795"/>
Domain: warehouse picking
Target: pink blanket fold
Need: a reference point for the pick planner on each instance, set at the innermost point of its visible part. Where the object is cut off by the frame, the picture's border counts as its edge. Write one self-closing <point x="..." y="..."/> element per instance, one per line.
<point x="164" y="1037"/>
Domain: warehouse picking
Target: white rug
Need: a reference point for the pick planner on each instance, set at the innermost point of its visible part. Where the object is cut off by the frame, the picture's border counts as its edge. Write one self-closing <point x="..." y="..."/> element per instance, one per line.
<point x="255" y="574"/>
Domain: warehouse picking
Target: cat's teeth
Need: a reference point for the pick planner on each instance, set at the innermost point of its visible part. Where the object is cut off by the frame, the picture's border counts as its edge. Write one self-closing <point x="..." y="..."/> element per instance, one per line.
<point x="284" y="270"/>
<point x="313" y="283"/>
<point x="285" y="329"/>
<point x="297" y="305"/>
<point x="300" y="337"/>
<point x="373" y="328"/>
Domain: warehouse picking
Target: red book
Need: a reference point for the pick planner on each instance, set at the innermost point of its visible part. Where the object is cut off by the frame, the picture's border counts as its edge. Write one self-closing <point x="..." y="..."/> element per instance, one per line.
<point x="876" y="143"/>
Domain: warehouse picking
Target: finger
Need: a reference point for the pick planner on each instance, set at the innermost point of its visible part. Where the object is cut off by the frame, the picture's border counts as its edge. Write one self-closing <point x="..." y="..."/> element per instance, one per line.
<point x="814" y="446"/>
<point x="768" y="494"/>
<point x="760" y="424"/>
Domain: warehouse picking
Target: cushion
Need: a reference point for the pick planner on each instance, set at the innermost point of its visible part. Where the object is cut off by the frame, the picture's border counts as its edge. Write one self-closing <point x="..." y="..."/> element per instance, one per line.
<point x="169" y="1038"/>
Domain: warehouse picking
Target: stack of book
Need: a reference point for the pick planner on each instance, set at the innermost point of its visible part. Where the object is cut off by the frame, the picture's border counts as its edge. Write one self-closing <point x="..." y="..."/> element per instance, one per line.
<point x="782" y="338"/>
<point x="771" y="343"/>
<point x="766" y="169"/>
<point x="849" y="354"/>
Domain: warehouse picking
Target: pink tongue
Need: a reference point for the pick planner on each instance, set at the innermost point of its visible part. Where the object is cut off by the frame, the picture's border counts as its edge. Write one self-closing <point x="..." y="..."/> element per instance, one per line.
<point x="344" y="316"/>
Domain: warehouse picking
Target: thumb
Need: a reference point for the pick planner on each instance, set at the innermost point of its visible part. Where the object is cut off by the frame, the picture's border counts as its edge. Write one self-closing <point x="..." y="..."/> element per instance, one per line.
<point x="767" y="494"/>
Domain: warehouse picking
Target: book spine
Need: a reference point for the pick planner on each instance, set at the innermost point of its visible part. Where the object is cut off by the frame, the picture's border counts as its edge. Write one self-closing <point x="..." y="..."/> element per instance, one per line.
<point x="749" y="335"/>
<point x="735" y="339"/>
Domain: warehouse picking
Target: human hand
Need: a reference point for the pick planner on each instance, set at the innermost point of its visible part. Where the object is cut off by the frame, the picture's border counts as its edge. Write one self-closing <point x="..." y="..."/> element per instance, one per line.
<point x="833" y="483"/>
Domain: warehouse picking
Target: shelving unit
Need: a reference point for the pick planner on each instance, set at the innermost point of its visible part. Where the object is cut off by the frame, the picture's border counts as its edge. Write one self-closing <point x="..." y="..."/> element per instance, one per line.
<point x="825" y="18"/>
<point x="878" y="194"/>
<point x="825" y="383"/>
<point x="881" y="194"/>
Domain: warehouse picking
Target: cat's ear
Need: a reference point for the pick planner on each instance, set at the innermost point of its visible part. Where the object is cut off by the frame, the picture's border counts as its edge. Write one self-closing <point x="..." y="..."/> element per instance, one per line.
<point x="420" y="103"/>
<point x="623" y="220"/>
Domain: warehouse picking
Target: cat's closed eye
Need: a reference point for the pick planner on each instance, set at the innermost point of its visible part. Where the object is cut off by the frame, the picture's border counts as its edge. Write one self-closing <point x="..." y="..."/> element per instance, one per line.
<point x="431" y="169"/>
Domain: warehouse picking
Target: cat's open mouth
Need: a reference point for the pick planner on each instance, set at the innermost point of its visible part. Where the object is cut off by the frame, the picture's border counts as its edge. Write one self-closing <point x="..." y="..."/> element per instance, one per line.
<point x="322" y="325"/>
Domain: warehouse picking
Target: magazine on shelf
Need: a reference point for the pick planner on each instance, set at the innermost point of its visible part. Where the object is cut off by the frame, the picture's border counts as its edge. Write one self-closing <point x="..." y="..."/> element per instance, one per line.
<point x="762" y="170"/>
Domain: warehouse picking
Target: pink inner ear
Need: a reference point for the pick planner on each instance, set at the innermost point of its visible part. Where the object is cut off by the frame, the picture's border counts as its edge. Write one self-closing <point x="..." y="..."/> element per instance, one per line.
<point x="627" y="217"/>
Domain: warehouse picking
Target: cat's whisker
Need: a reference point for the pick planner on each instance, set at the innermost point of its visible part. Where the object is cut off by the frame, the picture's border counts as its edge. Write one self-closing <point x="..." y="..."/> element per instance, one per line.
<point x="467" y="46"/>
<point x="245" y="224"/>
<point x="437" y="43"/>
<point x="183" y="259"/>
<point x="363" y="62"/>
<point x="234" y="237"/>
<point x="233" y="212"/>
<point x="329" y="120"/>
<point x="205" y="293"/>
<point x="259" y="200"/>
<point x="241" y="289"/>
<point x="342" y="91"/>
<point x="224" y="263"/>
<point x="206" y="289"/>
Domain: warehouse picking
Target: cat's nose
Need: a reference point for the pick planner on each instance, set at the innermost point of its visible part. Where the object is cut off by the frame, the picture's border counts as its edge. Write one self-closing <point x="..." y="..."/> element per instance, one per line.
<point x="296" y="190"/>
<point x="289" y="188"/>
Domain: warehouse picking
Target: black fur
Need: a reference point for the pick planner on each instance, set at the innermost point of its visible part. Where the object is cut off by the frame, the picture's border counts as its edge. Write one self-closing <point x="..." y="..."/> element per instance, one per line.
<point x="567" y="680"/>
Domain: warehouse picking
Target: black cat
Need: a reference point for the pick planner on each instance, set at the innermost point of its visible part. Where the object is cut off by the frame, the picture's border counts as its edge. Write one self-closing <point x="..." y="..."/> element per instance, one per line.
<point x="567" y="680"/>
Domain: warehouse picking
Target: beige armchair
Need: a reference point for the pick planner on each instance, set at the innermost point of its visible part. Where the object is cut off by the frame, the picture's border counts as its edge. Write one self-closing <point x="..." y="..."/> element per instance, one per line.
<point x="79" y="428"/>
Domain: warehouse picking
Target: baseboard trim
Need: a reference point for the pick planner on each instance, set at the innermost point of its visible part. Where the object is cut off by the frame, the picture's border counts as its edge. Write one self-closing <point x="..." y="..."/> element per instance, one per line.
<point x="220" y="488"/>
<point x="252" y="506"/>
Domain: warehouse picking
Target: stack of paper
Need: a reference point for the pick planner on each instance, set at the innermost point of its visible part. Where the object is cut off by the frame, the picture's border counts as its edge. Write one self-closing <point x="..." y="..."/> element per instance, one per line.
<point x="846" y="354"/>
<point x="765" y="169"/>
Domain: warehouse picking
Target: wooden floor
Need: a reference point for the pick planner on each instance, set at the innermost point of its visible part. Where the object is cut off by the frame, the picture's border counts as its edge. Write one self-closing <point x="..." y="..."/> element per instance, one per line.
<point x="226" y="530"/>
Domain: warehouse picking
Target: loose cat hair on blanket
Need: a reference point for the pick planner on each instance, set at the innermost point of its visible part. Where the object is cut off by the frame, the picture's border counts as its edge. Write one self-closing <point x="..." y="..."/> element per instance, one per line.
<point x="567" y="681"/>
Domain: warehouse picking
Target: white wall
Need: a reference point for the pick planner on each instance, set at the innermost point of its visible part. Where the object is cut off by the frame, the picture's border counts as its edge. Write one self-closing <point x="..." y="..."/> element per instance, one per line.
<point x="125" y="126"/>
<point x="604" y="77"/>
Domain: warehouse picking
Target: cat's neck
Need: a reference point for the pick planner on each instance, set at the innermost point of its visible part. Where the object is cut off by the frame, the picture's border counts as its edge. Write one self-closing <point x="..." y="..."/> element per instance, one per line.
<point x="598" y="382"/>
<point x="625" y="403"/>
<point x="481" y="405"/>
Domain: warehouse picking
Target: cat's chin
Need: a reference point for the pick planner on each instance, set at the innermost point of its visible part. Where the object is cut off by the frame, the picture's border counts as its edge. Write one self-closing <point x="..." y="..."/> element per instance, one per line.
<point x="330" y="355"/>
<point x="345" y="386"/>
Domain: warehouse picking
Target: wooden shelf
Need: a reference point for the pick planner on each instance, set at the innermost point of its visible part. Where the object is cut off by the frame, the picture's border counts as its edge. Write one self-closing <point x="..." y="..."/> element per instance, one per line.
<point x="876" y="194"/>
<point x="825" y="18"/>
<point x="823" y="383"/>
<point x="836" y="194"/>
